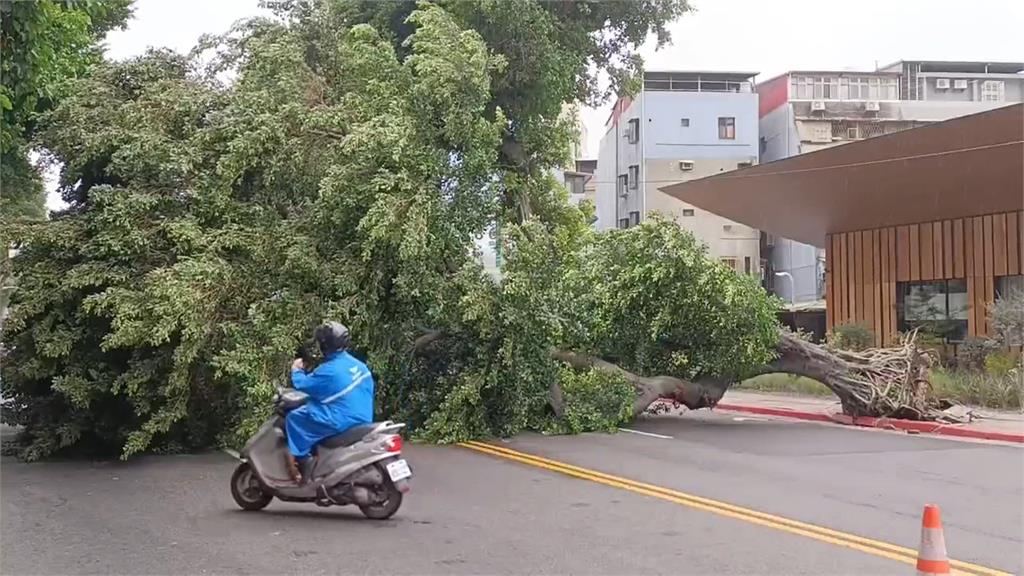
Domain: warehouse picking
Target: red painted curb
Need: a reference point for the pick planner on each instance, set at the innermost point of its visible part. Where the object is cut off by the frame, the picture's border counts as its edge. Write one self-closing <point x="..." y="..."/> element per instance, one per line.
<point x="884" y="423"/>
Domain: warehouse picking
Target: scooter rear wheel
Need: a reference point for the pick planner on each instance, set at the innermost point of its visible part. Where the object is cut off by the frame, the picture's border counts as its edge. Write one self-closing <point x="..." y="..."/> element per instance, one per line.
<point x="387" y="508"/>
<point x="246" y="489"/>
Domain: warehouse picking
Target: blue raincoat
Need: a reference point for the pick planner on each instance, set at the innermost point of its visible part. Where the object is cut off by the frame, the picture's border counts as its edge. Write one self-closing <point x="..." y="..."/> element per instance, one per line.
<point x="340" y="396"/>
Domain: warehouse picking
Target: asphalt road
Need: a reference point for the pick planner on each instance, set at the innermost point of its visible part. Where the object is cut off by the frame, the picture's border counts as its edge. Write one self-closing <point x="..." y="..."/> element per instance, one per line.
<point x="473" y="513"/>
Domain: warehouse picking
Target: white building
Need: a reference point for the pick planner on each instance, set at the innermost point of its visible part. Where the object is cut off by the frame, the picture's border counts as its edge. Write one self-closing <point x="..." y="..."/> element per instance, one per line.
<point x="681" y="126"/>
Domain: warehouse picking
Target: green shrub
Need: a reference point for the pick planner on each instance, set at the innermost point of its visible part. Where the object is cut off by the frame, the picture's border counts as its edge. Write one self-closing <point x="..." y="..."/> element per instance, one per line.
<point x="594" y="401"/>
<point x="973" y="352"/>
<point x="854" y="337"/>
<point x="1006" y="315"/>
<point x="1001" y="363"/>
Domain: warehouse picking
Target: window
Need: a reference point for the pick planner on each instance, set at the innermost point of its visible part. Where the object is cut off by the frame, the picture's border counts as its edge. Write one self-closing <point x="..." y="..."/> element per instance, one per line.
<point x="939" y="307"/>
<point x="802" y="88"/>
<point x="687" y="212"/>
<point x="890" y="89"/>
<point x="845" y="88"/>
<point x="623" y="185"/>
<point x="746" y="264"/>
<point x="826" y="88"/>
<point x="993" y="91"/>
<point x="633" y="132"/>
<point x="634" y="218"/>
<point x="1005" y="285"/>
<point x="858" y="89"/>
<point x="634" y="177"/>
<point x="684" y="122"/>
<point x="575" y="183"/>
<point x="730" y="263"/>
<point x="727" y="128"/>
<point x="623" y="222"/>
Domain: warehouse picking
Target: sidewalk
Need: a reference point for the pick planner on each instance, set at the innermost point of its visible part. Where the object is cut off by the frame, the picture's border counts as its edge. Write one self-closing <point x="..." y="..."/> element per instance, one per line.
<point x="990" y="425"/>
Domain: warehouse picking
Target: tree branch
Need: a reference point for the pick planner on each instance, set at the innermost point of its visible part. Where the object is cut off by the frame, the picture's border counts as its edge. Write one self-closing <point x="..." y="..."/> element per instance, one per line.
<point x="704" y="393"/>
<point x="420" y="344"/>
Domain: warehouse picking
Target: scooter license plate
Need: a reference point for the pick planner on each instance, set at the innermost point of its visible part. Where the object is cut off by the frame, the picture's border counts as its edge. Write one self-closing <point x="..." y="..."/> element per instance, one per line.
<point x="399" y="470"/>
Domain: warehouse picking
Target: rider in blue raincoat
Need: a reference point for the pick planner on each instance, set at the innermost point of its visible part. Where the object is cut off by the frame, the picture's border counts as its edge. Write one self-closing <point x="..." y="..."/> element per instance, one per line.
<point x="340" y="396"/>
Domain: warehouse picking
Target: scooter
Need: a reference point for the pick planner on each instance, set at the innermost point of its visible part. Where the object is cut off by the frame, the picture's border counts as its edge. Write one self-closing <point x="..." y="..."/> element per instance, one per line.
<point x="361" y="466"/>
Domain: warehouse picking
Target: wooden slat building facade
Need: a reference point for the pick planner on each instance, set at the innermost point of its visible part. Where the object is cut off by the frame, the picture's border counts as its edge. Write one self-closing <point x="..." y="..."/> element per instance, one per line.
<point x="907" y="220"/>
<point x="864" y="268"/>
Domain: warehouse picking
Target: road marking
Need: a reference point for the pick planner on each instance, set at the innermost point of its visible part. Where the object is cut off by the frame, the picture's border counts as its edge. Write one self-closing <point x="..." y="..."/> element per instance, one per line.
<point x="820" y="533"/>
<point x="642" y="433"/>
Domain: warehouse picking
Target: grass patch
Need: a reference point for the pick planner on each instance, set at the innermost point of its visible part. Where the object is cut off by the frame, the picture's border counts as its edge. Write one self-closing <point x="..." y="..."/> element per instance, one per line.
<point x="976" y="388"/>
<point x="787" y="383"/>
<point x="968" y="387"/>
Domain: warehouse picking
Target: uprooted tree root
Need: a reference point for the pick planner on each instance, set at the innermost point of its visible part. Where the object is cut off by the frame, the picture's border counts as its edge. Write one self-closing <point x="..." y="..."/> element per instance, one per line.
<point x="877" y="382"/>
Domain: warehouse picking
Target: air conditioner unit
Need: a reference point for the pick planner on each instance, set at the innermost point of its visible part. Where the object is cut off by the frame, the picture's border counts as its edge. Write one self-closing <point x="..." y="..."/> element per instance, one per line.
<point x="942" y="83"/>
<point x="960" y="84"/>
<point x="686" y="165"/>
<point x="871" y="106"/>
<point x="817" y="106"/>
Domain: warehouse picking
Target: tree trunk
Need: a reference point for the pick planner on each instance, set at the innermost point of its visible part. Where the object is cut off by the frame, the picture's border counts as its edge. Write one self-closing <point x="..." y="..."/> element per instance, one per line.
<point x="704" y="393"/>
<point x="882" y="382"/>
<point x="876" y="382"/>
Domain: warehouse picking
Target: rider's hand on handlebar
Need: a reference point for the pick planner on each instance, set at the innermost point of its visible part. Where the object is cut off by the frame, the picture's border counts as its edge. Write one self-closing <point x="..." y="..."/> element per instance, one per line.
<point x="298" y="364"/>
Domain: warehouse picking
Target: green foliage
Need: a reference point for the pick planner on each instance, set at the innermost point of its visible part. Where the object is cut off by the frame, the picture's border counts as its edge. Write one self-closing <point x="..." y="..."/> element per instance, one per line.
<point x="650" y="299"/>
<point x="1000" y="364"/>
<point x="594" y="401"/>
<point x="344" y="173"/>
<point x="553" y="53"/>
<point x="854" y="337"/>
<point x="43" y="44"/>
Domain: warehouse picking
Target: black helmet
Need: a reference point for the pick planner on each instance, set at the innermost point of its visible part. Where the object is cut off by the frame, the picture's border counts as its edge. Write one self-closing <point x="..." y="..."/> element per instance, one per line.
<point x="331" y="337"/>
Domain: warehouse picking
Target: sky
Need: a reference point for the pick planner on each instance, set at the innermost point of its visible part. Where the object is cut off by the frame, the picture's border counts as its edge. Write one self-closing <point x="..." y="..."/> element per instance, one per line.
<point x="769" y="37"/>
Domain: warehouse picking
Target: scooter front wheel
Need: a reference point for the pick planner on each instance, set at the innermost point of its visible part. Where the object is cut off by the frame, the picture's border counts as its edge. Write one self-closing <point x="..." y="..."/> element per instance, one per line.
<point x="246" y="489"/>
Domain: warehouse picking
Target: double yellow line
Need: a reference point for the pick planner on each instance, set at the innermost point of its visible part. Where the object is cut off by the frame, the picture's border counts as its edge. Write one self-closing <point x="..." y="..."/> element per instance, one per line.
<point x="820" y="533"/>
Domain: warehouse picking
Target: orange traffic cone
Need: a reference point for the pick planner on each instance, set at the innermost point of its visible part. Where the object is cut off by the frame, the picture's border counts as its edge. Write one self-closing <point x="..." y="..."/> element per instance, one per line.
<point x="931" y="556"/>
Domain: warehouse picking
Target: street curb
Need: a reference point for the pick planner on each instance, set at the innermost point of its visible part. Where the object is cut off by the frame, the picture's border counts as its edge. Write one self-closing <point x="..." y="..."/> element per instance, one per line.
<point x="883" y="423"/>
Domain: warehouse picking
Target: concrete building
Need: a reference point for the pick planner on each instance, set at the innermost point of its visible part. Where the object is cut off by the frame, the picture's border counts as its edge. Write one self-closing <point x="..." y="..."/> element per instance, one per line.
<point x="581" y="183"/>
<point x="805" y="111"/>
<point x="960" y="82"/>
<point x="681" y="126"/>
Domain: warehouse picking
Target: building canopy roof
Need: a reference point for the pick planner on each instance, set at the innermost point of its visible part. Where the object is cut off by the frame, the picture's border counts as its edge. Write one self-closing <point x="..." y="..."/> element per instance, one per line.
<point x="955" y="67"/>
<point x="966" y="166"/>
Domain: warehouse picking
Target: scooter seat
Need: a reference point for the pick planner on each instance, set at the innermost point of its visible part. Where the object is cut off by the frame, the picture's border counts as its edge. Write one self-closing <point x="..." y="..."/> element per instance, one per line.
<point x="348" y="437"/>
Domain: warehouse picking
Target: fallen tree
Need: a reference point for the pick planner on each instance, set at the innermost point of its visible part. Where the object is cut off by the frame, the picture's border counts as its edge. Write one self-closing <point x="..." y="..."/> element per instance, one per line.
<point x="876" y="382"/>
<point x="346" y="172"/>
